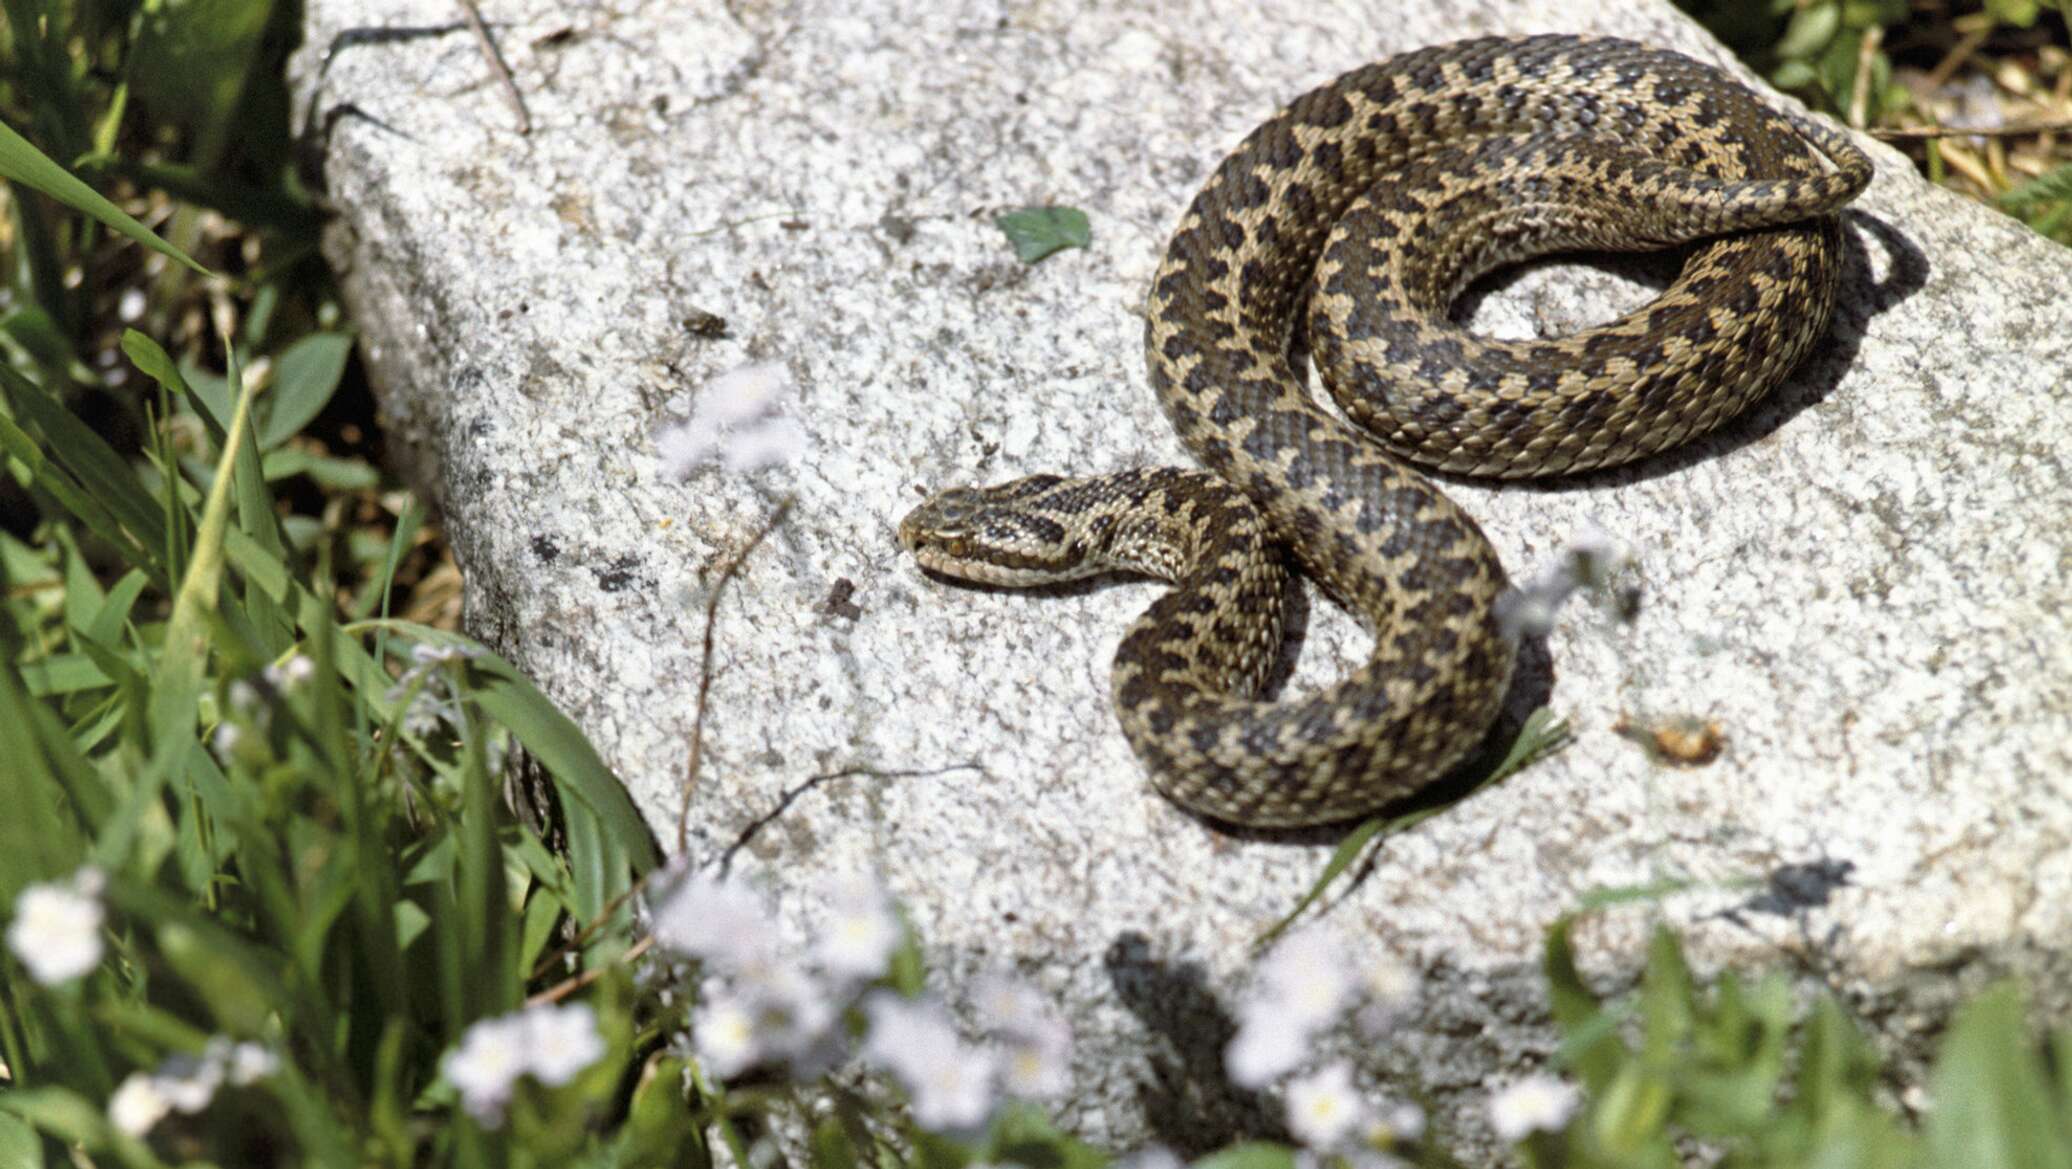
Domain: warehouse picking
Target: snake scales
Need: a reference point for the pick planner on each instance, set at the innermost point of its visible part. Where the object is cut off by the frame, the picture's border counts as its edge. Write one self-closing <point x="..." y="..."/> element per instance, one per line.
<point x="1382" y="195"/>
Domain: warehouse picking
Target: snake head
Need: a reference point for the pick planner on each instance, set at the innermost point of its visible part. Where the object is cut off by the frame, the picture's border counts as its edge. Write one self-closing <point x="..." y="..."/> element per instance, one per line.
<point x="998" y="535"/>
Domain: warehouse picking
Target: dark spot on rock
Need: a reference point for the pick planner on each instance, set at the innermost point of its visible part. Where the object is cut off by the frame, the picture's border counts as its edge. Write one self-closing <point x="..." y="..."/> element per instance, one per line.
<point x="839" y="602"/>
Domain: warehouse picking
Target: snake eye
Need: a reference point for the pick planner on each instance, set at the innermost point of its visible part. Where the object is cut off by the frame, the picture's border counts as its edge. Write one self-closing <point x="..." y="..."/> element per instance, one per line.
<point x="957" y="546"/>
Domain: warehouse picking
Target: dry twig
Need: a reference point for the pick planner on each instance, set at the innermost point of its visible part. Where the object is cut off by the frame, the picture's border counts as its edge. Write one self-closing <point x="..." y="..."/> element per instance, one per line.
<point x="497" y="66"/>
<point x="719" y="586"/>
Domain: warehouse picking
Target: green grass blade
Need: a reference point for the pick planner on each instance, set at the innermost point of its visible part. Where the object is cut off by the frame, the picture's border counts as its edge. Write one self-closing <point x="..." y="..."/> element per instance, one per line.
<point x="23" y="163"/>
<point x="1541" y="735"/>
<point x="54" y="481"/>
<point x="1342" y="857"/>
<point x="99" y="470"/>
<point x="38" y="840"/>
<point x="183" y="660"/>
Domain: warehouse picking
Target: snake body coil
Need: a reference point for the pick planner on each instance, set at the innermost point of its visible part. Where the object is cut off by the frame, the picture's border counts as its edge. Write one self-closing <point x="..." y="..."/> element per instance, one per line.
<point x="1384" y="193"/>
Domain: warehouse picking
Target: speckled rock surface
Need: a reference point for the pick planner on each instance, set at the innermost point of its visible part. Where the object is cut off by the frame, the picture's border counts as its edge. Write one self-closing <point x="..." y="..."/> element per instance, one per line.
<point x="1863" y="584"/>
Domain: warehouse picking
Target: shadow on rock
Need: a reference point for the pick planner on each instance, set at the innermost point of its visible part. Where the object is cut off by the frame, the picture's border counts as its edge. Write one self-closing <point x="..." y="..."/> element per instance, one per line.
<point x="1860" y="298"/>
<point x="1189" y="1103"/>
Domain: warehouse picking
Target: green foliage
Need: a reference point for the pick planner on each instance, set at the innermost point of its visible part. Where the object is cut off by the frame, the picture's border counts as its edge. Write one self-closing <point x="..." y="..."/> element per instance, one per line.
<point x="1037" y="232"/>
<point x="1814" y="50"/>
<point x="1738" y="1069"/>
<point x="2044" y="203"/>
<point x="301" y="835"/>
<point x="292" y="797"/>
<point x="2023" y="13"/>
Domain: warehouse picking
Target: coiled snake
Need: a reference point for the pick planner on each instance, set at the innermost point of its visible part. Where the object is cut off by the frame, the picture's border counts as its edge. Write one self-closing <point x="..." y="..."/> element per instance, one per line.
<point x="1383" y="194"/>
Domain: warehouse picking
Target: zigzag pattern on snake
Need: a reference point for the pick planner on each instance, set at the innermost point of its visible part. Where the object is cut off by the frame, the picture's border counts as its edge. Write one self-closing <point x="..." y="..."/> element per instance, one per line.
<point x="1382" y="195"/>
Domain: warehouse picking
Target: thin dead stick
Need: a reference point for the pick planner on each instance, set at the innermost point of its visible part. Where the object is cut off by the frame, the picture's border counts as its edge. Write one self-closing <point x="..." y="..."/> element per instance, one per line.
<point x="1960" y="160"/>
<point x="497" y="66"/>
<point x="1911" y="133"/>
<point x="583" y="936"/>
<point x="690" y="770"/>
<point x="1860" y="93"/>
<point x="569" y="986"/>
<point x="1959" y="53"/>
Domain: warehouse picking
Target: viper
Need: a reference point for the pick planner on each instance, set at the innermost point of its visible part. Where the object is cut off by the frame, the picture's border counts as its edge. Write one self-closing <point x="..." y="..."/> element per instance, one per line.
<point x="1356" y="216"/>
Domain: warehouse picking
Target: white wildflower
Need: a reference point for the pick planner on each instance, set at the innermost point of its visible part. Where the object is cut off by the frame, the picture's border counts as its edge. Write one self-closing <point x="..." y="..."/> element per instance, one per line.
<point x="953" y="1092"/>
<point x="795" y="1013"/>
<point x="1323" y="1109"/>
<point x="1533" y="1104"/>
<point x="1390" y="985"/>
<point x="561" y="1041"/>
<point x="129" y="308"/>
<point x="771" y="444"/>
<point x="1525" y="611"/>
<point x="863" y="930"/>
<point x="227" y="737"/>
<point x="56" y="931"/>
<point x="1152" y="1157"/>
<point x="1305" y="980"/>
<point x="747" y="394"/>
<point x="1398" y="1124"/>
<point x="1594" y="556"/>
<point x="188" y="1082"/>
<point x="1264" y="1049"/>
<point x="1012" y="1006"/>
<point x="1590" y="560"/>
<point x="137" y="1105"/>
<point x="949" y="1082"/>
<point x="487" y="1064"/>
<point x="248" y="1063"/>
<point x="290" y="673"/>
<point x="723" y="1032"/>
<point x="719" y="921"/>
<point x="1036" y="1064"/>
<point x="739" y="419"/>
<point x="686" y="446"/>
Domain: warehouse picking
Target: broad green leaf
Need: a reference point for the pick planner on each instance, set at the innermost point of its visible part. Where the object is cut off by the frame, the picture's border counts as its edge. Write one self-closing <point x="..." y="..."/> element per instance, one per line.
<point x="2019" y="13"/>
<point x="1249" y="1155"/>
<point x="831" y="1147"/>
<point x="1810" y="30"/>
<point x="19" y="1144"/>
<point x="27" y="165"/>
<point x="1591" y="1046"/>
<point x="332" y="474"/>
<point x="1630" y="1113"/>
<point x="1993" y="1106"/>
<point x="62" y="1113"/>
<point x="660" y="1129"/>
<point x="62" y="674"/>
<point x="1037" y="232"/>
<point x="1667" y="998"/>
<point x="1023" y="1135"/>
<point x="304" y="378"/>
